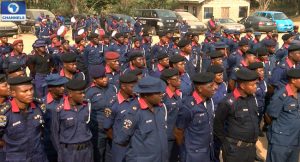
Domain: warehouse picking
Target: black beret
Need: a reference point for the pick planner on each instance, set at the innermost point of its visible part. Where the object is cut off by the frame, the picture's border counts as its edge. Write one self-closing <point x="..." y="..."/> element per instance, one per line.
<point x="262" y="51"/>
<point x="249" y="30"/>
<point x="135" y="40"/>
<point x="136" y="72"/>
<point x="216" y="54"/>
<point x="176" y="58"/>
<point x="93" y="35"/>
<point x="167" y="73"/>
<point x="161" y="34"/>
<point x="19" y="80"/>
<point x="293" y="73"/>
<point x="76" y="85"/>
<point x="183" y="42"/>
<point x="106" y="36"/>
<point x="175" y="39"/>
<point x="246" y="75"/>
<point x="128" y="78"/>
<point x="134" y="55"/>
<point x="269" y="42"/>
<point x="162" y="55"/>
<point x="251" y="51"/>
<point x="14" y="68"/>
<point x="119" y="35"/>
<point x="188" y="34"/>
<point x="294" y="47"/>
<point x="68" y="57"/>
<point x="145" y="34"/>
<point x="78" y="39"/>
<point x="215" y="69"/>
<point x="203" y="78"/>
<point x="256" y="65"/>
<point x="97" y="71"/>
<point x="195" y="34"/>
<point x="2" y="78"/>
<point x="243" y="42"/>
<point x="286" y="37"/>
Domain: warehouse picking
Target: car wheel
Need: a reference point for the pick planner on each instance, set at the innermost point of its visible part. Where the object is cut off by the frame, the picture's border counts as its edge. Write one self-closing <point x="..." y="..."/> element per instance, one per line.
<point x="19" y="29"/>
<point x="32" y="30"/>
<point x="152" y="31"/>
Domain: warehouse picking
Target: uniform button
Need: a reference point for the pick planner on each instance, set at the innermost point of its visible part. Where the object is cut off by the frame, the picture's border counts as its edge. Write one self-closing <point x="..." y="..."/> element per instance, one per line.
<point x="280" y="132"/>
<point x="196" y="150"/>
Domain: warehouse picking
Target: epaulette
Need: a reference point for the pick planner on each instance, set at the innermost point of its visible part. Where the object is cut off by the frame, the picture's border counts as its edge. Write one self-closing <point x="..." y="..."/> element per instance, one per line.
<point x="38" y="100"/>
<point x="4" y="108"/>
<point x="59" y="107"/>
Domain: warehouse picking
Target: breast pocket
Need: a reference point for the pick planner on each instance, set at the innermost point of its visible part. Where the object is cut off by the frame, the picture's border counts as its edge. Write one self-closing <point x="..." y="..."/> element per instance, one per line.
<point x="200" y="119"/>
<point x="291" y="110"/>
<point x="146" y="130"/>
<point x="242" y="114"/>
<point x="69" y="122"/>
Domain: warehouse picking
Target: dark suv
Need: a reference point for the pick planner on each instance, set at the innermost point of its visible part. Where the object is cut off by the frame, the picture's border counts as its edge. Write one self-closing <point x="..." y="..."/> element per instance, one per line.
<point x="154" y="20"/>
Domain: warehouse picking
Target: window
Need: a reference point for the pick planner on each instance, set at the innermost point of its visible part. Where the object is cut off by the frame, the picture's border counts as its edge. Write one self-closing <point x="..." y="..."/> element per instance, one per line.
<point x="208" y="12"/>
<point x="195" y="11"/>
<point x="186" y="8"/>
<point x="243" y="11"/>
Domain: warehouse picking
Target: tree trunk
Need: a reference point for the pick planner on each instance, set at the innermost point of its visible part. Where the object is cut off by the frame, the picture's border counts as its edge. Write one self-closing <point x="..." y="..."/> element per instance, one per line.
<point x="74" y="6"/>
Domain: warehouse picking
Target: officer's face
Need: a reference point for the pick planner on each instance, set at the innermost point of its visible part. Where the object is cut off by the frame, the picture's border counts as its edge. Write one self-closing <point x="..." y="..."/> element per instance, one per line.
<point x="257" y="37"/>
<point x="244" y="48"/>
<point x="113" y="64"/>
<point x="137" y="44"/>
<point x="271" y="49"/>
<point x="19" y="47"/>
<point x="207" y="90"/>
<point x="237" y="36"/>
<point x="289" y="41"/>
<point x="153" y="98"/>
<point x="4" y="89"/>
<point x="54" y="40"/>
<point x="260" y="72"/>
<point x="41" y="49"/>
<point x="164" y="39"/>
<point x="296" y="83"/>
<point x="4" y="39"/>
<point x="217" y="61"/>
<point x="121" y="40"/>
<point x="251" y="58"/>
<point x="71" y="67"/>
<point x="77" y="96"/>
<point x="23" y="93"/>
<point x="219" y="78"/>
<point x="174" y="81"/>
<point x="295" y="55"/>
<point x="249" y="87"/>
<point x="95" y="41"/>
<point x="180" y="66"/>
<point x="188" y="49"/>
<point x="196" y="39"/>
<point x="106" y="40"/>
<point x="66" y="46"/>
<point x="164" y="62"/>
<point x="138" y="62"/>
<point x="57" y="91"/>
<point x="101" y="82"/>
<point x="128" y="88"/>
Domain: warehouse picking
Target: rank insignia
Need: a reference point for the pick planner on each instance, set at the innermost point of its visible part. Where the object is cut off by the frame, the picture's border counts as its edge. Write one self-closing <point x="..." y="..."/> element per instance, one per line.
<point x="3" y="120"/>
<point x="192" y="103"/>
<point x="43" y="107"/>
<point x="134" y="108"/>
<point x="127" y="123"/>
<point x="107" y="112"/>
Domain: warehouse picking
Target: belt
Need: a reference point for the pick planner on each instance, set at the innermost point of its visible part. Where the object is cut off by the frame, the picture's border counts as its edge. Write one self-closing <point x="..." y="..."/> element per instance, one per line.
<point x="239" y="143"/>
<point x="77" y="146"/>
<point x="45" y="36"/>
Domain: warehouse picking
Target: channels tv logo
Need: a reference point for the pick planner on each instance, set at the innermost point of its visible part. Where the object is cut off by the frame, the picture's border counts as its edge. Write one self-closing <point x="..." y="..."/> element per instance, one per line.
<point x="13" y="11"/>
<point x="13" y="8"/>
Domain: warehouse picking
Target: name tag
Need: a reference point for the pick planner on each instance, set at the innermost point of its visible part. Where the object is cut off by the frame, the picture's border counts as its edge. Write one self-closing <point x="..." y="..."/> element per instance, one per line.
<point x="174" y="103"/>
<point x="148" y="121"/>
<point x="123" y="111"/>
<point x="70" y="118"/>
<point x="16" y="123"/>
<point x="99" y="94"/>
<point x="201" y="114"/>
<point x="293" y="105"/>
<point x="245" y="109"/>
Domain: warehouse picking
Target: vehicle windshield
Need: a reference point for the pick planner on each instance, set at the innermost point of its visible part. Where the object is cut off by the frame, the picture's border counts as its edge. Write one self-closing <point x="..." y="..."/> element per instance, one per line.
<point x="280" y="16"/>
<point x="166" y="13"/>
<point x="224" y="21"/>
<point x="188" y="17"/>
<point x="36" y="14"/>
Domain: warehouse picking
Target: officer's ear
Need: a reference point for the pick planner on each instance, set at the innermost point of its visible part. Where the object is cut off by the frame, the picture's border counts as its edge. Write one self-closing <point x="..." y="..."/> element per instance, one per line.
<point x="13" y="91"/>
<point x="293" y="81"/>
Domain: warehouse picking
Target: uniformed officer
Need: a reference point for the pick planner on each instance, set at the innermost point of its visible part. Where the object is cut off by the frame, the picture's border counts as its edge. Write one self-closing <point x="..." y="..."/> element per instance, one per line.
<point x="255" y="43"/>
<point x="21" y="123"/>
<point x="119" y="46"/>
<point x="146" y="45"/>
<point x="279" y="78"/>
<point x="191" y="59"/>
<point x="195" y="120"/>
<point x="136" y="60"/>
<point x="217" y="58"/>
<point x="145" y="131"/>
<point x="5" y="47"/>
<point x="70" y="125"/>
<point x="239" y="111"/>
<point x="175" y="49"/>
<point x="101" y="95"/>
<point x="4" y="101"/>
<point x="137" y="72"/>
<point x="93" y="53"/>
<point x="55" y="85"/>
<point x="261" y="91"/>
<point x="40" y="65"/>
<point x="138" y="28"/>
<point x="183" y="28"/>
<point x="112" y="67"/>
<point x="207" y="44"/>
<point x="235" y="58"/>
<point x="15" y="70"/>
<point x="162" y="64"/>
<point x="283" y="114"/>
<point x="161" y="46"/>
<point x="248" y="35"/>
<point x="173" y="102"/>
<point x="262" y="56"/>
<point x="283" y="51"/>
<point x="45" y="31"/>
<point x="178" y="62"/>
<point x="16" y="56"/>
<point x="126" y="102"/>
<point x="69" y="67"/>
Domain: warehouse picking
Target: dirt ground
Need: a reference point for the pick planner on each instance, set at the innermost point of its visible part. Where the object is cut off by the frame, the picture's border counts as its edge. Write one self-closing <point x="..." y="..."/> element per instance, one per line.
<point x="30" y="38"/>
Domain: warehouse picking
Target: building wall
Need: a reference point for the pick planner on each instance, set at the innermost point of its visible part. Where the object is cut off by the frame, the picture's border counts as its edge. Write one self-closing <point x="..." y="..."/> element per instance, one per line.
<point x="234" y="8"/>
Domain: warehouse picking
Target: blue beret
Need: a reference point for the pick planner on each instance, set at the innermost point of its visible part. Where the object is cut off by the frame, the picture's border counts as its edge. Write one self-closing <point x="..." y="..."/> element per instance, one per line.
<point x="97" y="71"/>
<point x="149" y="84"/>
<point x="257" y="33"/>
<point x="19" y="80"/>
<point x="220" y="45"/>
<point x="76" y="85"/>
<point x="243" y="42"/>
<point x="269" y="42"/>
<point x="203" y="78"/>
<point x="55" y="80"/>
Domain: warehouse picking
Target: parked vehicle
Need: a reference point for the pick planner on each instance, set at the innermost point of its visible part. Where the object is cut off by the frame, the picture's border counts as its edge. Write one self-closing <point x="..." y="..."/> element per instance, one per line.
<point x="195" y="25"/>
<point x="154" y="20"/>
<point x="258" y="23"/>
<point x="31" y="16"/>
<point x="227" y="23"/>
<point x="126" y="18"/>
<point x="8" y="29"/>
<point x="283" y="23"/>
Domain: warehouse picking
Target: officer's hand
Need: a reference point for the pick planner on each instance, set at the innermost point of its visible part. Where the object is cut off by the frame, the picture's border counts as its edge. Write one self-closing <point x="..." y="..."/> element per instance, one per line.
<point x="2" y="143"/>
<point x="109" y="133"/>
<point x="179" y="135"/>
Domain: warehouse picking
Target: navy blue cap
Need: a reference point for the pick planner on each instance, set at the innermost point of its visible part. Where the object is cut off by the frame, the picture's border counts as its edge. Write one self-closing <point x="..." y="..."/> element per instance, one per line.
<point x="215" y="69"/>
<point x="293" y="73"/>
<point x="2" y="78"/>
<point x="294" y="47"/>
<point x="19" y="80"/>
<point x="97" y="71"/>
<point x="246" y="75"/>
<point x="243" y="42"/>
<point x="257" y="33"/>
<point x="220" y="45"/>
<point x="68" y="57"/>
<point x="14" y="68"/>
<point x="183" y="42"/>
<point x="203" y="78"/>
<point x="76" y="85"/>
<point x="55" y="80"/>
<point x="39" y="43"/>
<point x="269" y="42"/>
<point x="135" y="54"/>
<point x="149" y="84"/>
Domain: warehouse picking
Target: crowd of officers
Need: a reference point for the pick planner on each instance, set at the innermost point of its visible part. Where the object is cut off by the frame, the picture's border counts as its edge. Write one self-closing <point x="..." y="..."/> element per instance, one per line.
<point x="123" y="99"/>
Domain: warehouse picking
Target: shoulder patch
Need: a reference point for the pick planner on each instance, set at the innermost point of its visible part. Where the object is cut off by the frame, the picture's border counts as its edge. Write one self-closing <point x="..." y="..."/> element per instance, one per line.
<point x="127" y="124"/>
<point x="107" y="112"/>
<point x="4" y="108"/>
<point x="59" y="108"/>
<point x="38" y="100"/>
<point x="43" y="108"/>
<point x="3" y="120"/>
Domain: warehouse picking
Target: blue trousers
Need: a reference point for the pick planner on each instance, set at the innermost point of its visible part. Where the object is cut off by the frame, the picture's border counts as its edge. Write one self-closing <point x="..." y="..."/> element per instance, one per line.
<point x="39" y="80"/>
<point x="71" y="154"/>
<point x="100" y="144"/>
<point x="277" y="153"/>
<point x="23" y="157"/>
<point x="118" y="152"/>
<point x="173" y="151"/>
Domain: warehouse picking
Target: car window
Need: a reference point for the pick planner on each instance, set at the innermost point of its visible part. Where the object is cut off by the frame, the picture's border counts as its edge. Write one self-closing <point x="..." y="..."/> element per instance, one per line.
<point x="146" y="13"/>
<point x="166" y="13"/>
<point x="280" y="16"/>
<point x="224" y="21"/>
<point x="263" y="14"/>
<point x="256" y="14"/>
<point x="269" y="16"/>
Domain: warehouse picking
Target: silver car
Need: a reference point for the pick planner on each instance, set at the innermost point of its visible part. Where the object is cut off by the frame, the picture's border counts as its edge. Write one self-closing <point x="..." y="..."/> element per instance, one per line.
<point x="227" y="23"/>
<point x="8" y="29"/>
